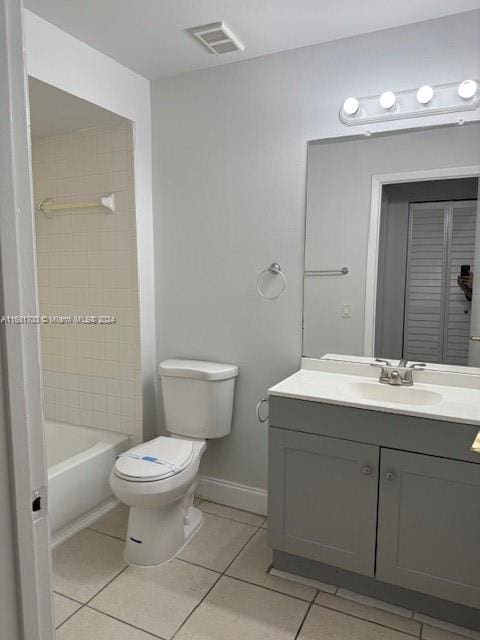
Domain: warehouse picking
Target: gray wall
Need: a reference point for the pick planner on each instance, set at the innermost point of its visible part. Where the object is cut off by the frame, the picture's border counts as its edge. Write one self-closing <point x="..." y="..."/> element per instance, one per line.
<point x="392" y="264"/>
<point x="338" y="215"/>
<point x="229" y="176"/>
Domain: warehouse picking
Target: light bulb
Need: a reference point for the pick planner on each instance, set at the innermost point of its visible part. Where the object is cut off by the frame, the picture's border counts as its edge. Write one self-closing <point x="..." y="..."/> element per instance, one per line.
<point x="388" y="100"/>
<point x="467" y="89"/>
<point x="425" y="94"/>
<point x="351" y="106"/>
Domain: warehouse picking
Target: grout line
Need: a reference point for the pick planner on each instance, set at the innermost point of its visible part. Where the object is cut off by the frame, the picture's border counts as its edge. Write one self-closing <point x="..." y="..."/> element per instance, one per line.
<point x="59" y="593"/>
<point x="195" y="564"/>
<point x="421" y="630"/>
<point x="217" y="515"/>
<point x="261" y="586"/>
<point x="110" y="535"/>
<point x="128" y="624"/>
<point x="303" y="620"/>
<point x="70" y="616"/>
<point x="220" y="576"/>
<point x="197" y="605"/>
<point x="378" y="624"/>
<point x="106" y="585"/>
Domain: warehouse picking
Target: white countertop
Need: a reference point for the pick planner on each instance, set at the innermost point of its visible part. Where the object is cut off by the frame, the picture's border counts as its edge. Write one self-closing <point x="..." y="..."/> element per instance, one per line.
<point x="330" y="381"/>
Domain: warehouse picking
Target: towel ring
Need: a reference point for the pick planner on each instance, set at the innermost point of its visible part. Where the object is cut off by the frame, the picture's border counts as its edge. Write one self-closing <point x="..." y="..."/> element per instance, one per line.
<point x="257" y="410"/>
<point x="275" y="269"/>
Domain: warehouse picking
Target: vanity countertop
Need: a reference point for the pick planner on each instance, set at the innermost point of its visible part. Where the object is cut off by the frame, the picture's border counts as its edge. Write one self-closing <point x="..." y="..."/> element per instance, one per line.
<point x="438" y="395"/>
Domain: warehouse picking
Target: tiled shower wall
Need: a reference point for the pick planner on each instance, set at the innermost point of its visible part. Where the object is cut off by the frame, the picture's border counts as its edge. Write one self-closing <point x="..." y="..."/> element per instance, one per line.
<point x="87" y="265"/>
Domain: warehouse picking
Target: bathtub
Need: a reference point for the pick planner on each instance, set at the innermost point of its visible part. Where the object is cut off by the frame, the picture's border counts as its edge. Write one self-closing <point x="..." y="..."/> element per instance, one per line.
<point x="79" y="462"/>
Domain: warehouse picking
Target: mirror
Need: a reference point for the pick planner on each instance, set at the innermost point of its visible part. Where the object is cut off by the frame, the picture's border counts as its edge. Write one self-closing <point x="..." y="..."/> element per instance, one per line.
<point x="392" y="240"/>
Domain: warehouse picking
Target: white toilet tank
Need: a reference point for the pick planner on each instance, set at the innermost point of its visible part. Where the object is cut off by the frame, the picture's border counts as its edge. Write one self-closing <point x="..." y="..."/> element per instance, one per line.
<point x="198" y="397"/>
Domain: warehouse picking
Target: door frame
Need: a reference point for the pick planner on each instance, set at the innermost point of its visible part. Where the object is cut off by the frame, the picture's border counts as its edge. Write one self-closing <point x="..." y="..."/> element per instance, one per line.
<point x="20" y="342"/>
<point x="378" y="181"/>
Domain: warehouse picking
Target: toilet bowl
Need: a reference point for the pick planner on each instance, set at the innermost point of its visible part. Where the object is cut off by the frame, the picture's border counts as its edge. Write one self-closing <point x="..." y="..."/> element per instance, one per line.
<point x="157" y="479"/>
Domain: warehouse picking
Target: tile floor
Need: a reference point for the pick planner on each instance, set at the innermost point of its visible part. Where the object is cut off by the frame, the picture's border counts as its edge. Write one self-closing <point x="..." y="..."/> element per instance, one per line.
<point x="218" y="588"/>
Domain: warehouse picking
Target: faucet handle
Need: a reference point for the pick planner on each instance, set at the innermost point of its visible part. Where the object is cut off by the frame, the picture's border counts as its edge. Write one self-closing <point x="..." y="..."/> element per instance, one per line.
<point x="381" y="363"/>
<point x="418" y="365"/>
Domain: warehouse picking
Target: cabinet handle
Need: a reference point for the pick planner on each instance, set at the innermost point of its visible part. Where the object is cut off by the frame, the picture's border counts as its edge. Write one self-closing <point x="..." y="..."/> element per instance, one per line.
<point x="367" y="471"/>
<point x="389" y="475"/>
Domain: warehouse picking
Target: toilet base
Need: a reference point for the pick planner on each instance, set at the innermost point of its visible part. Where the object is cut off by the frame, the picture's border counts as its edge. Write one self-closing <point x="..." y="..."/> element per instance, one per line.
<point x="156" y="536"/>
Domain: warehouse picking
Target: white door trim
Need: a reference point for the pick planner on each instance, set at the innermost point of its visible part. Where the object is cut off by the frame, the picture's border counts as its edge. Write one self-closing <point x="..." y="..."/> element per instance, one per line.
<point x="378" y="180"/>
<point x="20" y="342"/>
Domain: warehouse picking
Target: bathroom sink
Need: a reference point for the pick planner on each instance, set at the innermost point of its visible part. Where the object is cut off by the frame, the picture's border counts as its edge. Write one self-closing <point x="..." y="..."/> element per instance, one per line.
<point x="376" y="392"/>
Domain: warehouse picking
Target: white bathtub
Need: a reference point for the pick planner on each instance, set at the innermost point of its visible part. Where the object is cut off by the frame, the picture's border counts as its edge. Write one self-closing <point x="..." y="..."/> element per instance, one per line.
<point x="79" y="461"/>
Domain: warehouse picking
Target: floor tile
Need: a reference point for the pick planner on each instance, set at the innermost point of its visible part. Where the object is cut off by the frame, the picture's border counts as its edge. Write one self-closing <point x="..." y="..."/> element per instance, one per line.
<point x="372" y="614"/>
<point x="437" y="625"/>
<point x="91" y="625"/>
<point x="114" y="523"/>
<point x="316" y="584"/>
<point x="156" y="599"/>
<point x="372" y="602"/>
<point x="253" y="563"/>
<point x="217" y="543"/>
<point x="435" y="633"/>
<point x="85" y="563"/>
<point x="238" y="611"/>
<point x="63" y="607"/>
<point x="325" y="624"/>
<point x="233" y="514"/>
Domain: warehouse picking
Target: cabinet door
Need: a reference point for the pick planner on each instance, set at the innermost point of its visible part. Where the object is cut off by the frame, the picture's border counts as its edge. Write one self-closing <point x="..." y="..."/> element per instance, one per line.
<point x="323" y="499"/>
<point x="429" y="525"/>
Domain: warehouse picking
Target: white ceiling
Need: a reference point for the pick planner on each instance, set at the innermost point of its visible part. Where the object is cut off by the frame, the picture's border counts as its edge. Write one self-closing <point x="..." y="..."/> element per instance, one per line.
<point x="53" y="112"/>
<point x="149" y="35"/>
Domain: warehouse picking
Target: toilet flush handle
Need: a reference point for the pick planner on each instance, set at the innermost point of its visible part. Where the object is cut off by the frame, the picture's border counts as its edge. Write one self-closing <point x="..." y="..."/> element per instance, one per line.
<point x="259" y="405"/>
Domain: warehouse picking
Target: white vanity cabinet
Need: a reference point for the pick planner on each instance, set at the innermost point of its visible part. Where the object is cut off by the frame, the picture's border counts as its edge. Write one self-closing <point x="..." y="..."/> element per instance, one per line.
<point x="392" y="498"/>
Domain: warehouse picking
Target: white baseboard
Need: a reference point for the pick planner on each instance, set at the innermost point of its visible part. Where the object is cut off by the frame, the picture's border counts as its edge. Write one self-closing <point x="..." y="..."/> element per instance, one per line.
<point x="233" y="494"/>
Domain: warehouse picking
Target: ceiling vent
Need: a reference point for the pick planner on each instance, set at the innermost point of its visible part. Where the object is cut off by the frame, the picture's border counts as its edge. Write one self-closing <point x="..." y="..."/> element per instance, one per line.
<point x="217" y="37"/>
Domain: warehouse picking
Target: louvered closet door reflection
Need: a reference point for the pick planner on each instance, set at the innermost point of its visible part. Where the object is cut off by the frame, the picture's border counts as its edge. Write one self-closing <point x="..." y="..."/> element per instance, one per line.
<point x="425" y="290"/>
<point x="461" y="250"/>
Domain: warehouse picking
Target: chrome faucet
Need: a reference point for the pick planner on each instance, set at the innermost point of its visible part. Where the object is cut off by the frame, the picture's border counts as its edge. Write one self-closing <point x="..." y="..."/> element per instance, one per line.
<point x="399" y="375"/>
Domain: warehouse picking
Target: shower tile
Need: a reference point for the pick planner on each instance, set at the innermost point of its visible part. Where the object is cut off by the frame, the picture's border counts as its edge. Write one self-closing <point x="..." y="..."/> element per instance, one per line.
<point x="85" y="563"/>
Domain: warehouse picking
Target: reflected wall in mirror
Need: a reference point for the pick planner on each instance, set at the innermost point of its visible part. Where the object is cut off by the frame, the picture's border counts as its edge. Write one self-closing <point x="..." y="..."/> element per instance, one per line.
<point x="400" y="211"/>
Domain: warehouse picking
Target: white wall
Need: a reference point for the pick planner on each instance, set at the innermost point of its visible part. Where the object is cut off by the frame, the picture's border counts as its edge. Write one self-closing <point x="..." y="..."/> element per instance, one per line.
<point x="229" y="172"/>
<point x="87" y="265"/>
<point x="61" y="60"/>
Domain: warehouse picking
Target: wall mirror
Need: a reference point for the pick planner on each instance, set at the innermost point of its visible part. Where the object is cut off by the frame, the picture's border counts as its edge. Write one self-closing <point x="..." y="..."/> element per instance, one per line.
<point x="391" y="247"/>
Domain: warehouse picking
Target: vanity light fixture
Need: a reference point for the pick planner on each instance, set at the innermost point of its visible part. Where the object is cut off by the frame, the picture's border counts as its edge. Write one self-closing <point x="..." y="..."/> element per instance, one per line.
<point x="388" y="100"/>
<point x="427" y="100"/>
<point x="467" y="89"/>
<point x="351" y="106"/>
<point x="425" y="94"/>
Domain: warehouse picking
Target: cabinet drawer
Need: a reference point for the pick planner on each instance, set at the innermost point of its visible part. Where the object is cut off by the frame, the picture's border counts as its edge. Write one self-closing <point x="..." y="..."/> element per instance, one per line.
<point x="429" y="526"/>
<point x="323" y="498"/>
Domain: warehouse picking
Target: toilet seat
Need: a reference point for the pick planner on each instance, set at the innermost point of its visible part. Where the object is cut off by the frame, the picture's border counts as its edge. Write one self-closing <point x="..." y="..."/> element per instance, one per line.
<point x="158" y="459"/>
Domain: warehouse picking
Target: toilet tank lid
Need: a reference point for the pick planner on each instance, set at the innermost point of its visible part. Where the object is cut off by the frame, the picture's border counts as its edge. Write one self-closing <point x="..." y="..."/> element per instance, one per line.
<point x="198" y="369"/>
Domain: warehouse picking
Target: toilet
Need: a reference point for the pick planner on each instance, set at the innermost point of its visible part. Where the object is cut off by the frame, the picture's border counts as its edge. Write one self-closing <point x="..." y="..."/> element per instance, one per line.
<point x="157" y="479"/>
